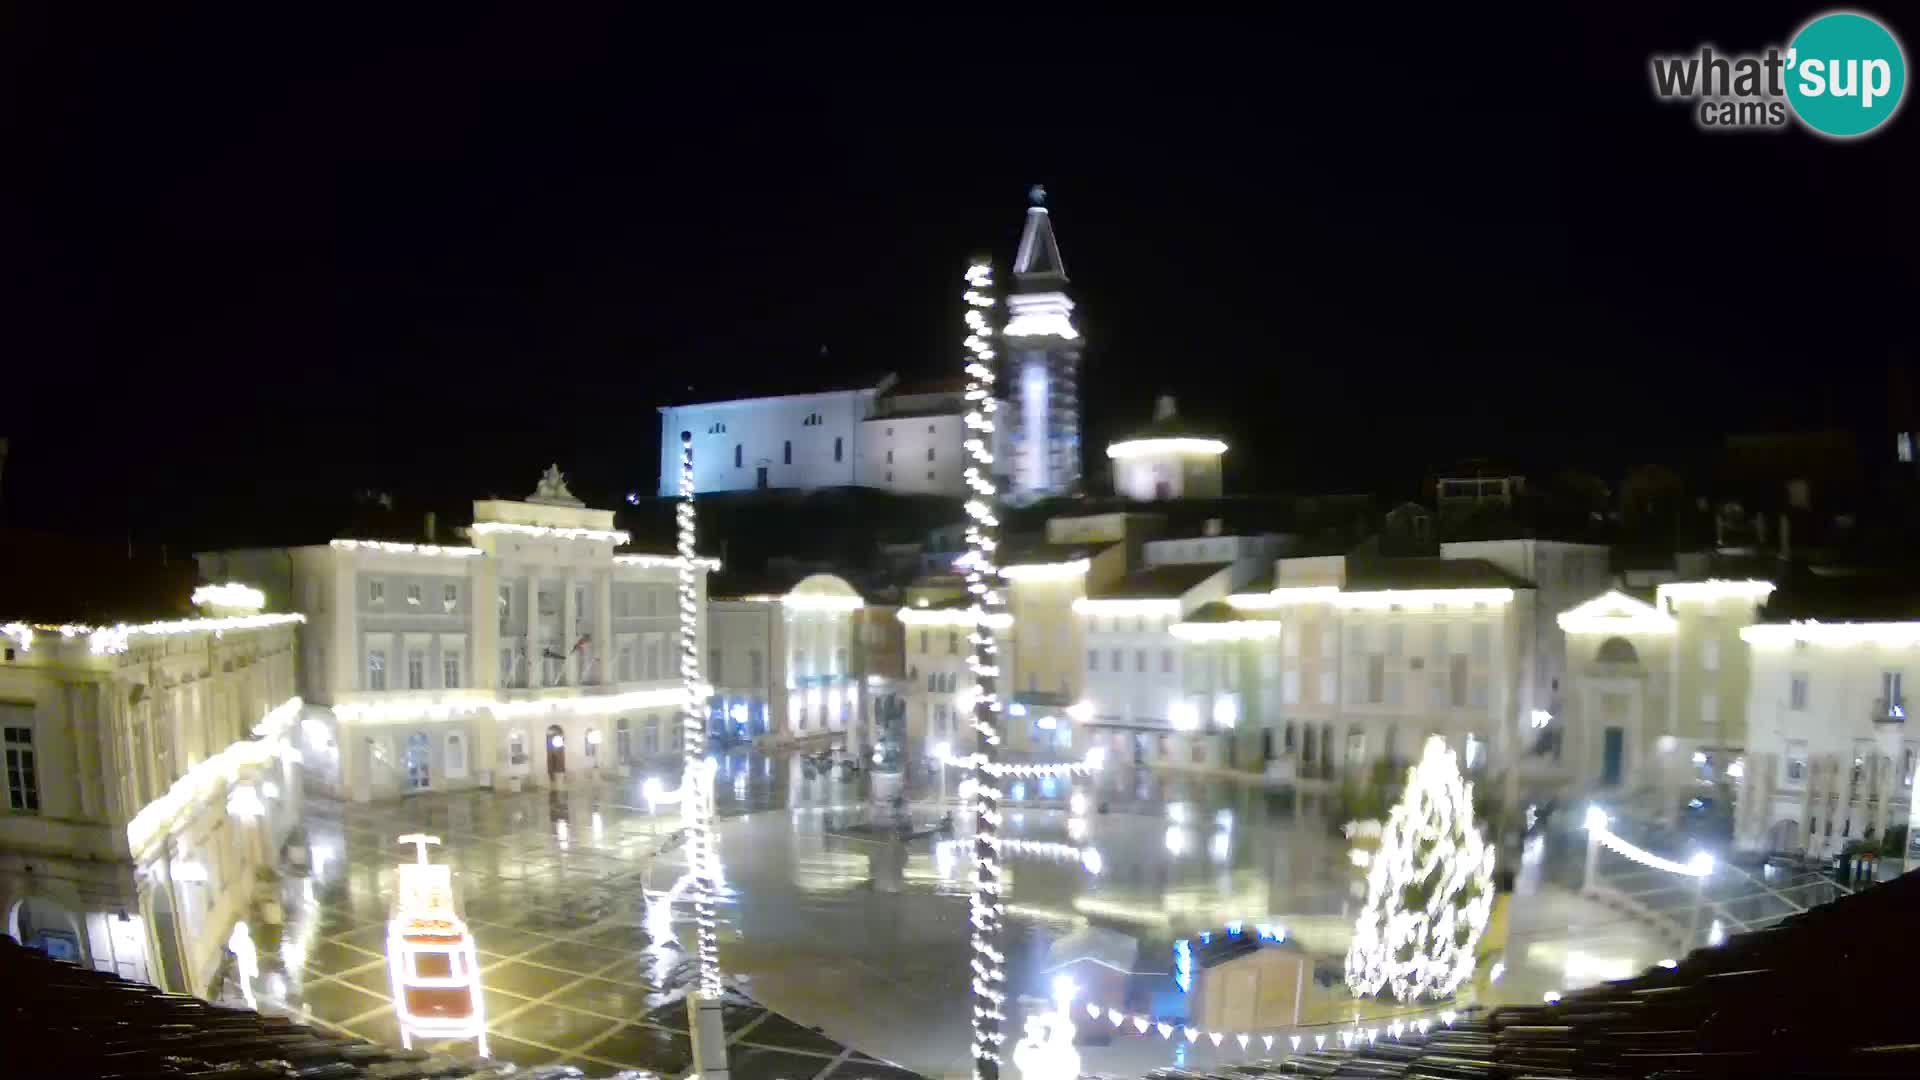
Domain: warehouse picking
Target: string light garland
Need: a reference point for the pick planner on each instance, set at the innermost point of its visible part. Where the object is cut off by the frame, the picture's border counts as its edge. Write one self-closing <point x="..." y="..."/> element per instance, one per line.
<point x="553" y="532"/>
<point x="388" y="547"/>
<point x="987" y="601"/>
<point x="664" y="562"/>
<point x="1429" y="888"/>
<point x="1699" y="865"/>
<point x="113" y="640"/>
<point x="1134" y="448"/>
<point x="697" y="778"/>
<point x="232" y="594"/>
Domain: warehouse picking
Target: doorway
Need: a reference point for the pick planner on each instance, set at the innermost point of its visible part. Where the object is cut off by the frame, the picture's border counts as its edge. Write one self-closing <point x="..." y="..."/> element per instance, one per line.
<point x="418" y="762"/>
<point x="760" y="477"/>
<point x="556" y="750"/>
<point x="1612" y="756"/>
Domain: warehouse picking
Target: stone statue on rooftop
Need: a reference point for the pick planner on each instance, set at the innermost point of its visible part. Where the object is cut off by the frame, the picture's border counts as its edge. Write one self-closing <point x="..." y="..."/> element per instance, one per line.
<point x="552" y="489"/>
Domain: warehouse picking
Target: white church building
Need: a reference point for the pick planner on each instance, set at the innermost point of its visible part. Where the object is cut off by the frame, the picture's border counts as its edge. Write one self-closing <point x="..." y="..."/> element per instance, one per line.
<point x="901" y="437"/>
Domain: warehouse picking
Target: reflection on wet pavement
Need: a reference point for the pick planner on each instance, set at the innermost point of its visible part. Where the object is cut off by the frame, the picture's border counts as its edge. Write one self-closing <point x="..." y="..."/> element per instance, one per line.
<point x="828" y="920"/>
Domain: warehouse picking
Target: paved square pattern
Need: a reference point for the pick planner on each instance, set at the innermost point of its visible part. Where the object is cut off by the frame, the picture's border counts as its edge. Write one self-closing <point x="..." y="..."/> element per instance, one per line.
<point x="558" y="918"/>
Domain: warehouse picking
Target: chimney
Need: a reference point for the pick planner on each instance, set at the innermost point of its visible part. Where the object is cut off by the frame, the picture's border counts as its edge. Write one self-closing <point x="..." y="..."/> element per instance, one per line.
<point x="1163" y="408"/>
<point x="432" y="537"/>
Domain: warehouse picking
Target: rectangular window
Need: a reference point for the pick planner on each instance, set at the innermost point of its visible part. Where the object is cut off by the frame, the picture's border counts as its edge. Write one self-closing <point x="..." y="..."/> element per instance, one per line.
<point x="651" y="650"/>
<point x="753" y="667"/>
<point x="1119" y="661"/>
<point x="929" y="453"/>
<point x="1457" y="681"/>
<point x="953" y="643"/>
<point x="449" y="597"/>
<point x="376" y="669"/>
<point x="786" y="453"/>
<point x="1290" y="687"/>
<point x="449" y="669"/>
<point x="1166" y="661"/>
<point x="923" y="642"/>
<point x="1393" y="689"/>
<point x="1289" y="642"/>
<point x="836" y="447"/>
<point x="416" y="669"/>
<point x="714" y="673"/>
<point x="413" y="596"/>
<point x="1357" y="640"/>
<point x="1328" y="687"/>
<point x="1439" y="639"/>
<point x="1709" y="708"/>
<point x="1093" y="659"/>
<point x="23" y="780"/>
<point x="839" y="661"/>
<point x="1376" y="679"/>
<point x="624" y="663"/>
<point x="1796" y="762"/>
<point x="889" y="457"/>
<point x="1396" y="639"/>
<point x="1140" y="660"/>
<point x="376" y="592"/>
<point x="1710" y="654"/>
<point x="1797" y="691"/>
<point x="1482" y="643"/>
<point x="738" y="453"/>
<point x="506" y="666"/>
<point x="1329" y="642"/>
<point x="505" y="603"/>
<point x="1890" y="690"/>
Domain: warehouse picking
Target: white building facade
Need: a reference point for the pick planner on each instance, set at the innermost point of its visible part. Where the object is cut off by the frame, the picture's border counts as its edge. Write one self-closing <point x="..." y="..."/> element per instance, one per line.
<point x="150" y="775"/>
<point x="903" y="438"/>
<point x="533" y="654"/>
<point x="785" y="666"/>
<point x="1830" y="755"/>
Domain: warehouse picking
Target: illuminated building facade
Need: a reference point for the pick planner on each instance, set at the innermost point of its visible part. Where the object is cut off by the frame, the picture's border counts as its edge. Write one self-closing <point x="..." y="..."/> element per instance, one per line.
<point x="903" y="437"/>
<point x="1830" y="752"/>
<point x="1041" y="379"/>
<point x="1167" y="459"/>
<point x="150" y="774"/>
<point x="535" y="651"/>
<point x="786" y="666"/>
<point x="1656" y="689"/>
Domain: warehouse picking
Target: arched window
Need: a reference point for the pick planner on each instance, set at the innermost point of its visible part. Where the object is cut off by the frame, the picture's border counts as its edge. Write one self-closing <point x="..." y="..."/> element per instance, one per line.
<point x="1617" y="650"/>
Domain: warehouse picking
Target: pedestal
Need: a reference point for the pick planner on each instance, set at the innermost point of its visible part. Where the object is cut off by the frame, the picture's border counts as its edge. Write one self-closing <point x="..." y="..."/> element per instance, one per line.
<point x="704" y="1021"/>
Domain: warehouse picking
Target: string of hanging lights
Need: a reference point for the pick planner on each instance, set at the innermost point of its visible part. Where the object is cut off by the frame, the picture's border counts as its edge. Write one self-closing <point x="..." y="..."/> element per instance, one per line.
<point x="697" y="780"/>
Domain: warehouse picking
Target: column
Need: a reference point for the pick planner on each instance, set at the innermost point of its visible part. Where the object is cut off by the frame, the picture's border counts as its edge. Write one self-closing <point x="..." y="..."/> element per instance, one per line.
<point x="602" y="645"/>
<point x="569" y="616"/>
<point x="530" y="638"/>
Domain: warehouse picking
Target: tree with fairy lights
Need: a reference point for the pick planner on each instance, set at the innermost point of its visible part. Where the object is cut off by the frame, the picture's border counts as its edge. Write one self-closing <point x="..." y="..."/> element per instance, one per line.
<point x="1429" y="888"/>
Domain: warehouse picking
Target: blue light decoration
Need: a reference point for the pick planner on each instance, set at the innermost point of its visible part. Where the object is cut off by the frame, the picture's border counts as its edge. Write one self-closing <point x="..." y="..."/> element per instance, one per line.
<point x="1233" y="928"/>
<point x="1183" y="964"/>
<point x="1016" y="709"/>
<point x="1206" y="937"/>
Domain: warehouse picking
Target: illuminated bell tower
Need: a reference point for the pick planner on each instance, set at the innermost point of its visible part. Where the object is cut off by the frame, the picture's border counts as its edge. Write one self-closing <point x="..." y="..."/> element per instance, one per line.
<point x="1042" y="378"/>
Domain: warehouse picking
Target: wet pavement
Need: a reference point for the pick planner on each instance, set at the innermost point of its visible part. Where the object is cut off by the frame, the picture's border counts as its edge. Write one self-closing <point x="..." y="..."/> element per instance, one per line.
<point x="832" y="923"/>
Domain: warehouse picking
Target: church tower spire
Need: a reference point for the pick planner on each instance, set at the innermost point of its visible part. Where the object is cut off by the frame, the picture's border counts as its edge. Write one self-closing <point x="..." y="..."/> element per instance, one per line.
<point x="1043" y="363"/>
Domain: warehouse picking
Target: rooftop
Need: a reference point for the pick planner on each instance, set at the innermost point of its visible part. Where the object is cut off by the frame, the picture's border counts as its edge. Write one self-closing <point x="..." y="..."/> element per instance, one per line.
<point x="1429" y="573"/>
<point x="1862" y="597"/>
<point x="1160" y="582"/>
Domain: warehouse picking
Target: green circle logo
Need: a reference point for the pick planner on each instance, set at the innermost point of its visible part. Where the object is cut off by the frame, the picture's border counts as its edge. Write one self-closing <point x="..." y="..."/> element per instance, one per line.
<point x="1845" y="74"/>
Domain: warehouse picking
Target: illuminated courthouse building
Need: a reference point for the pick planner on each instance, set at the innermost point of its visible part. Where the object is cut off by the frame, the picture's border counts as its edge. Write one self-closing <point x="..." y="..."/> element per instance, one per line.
<point x="150" y="773"/>
<point x="534" y="652"/>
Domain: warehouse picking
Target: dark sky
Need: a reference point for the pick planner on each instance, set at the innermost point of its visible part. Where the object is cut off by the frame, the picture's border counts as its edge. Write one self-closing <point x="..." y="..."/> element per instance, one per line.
<point x="254" y="264"/>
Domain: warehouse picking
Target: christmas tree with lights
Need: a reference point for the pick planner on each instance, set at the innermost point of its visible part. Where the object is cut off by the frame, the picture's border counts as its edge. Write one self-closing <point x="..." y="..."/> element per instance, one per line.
<point x="1429" y="888"/>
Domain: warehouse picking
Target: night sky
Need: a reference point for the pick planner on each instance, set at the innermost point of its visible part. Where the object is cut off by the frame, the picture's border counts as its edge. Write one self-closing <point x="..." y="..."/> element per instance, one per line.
<point x="256" y="264"/>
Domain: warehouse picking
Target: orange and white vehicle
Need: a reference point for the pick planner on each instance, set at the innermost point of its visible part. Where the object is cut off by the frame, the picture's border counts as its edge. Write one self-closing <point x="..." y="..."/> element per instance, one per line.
<point x="430" y="955"/>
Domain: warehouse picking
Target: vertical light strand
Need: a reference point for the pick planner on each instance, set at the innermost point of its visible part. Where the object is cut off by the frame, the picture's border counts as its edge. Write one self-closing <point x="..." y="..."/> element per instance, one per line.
<point x="696" y="779"/>
<point x="988" y="601"/>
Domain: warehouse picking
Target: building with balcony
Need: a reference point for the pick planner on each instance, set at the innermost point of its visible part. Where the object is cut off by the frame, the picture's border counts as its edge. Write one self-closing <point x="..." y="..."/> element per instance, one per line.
<point x="536" y="651"/>
<point x="150" y="775"/>
<point x="1829" y="751"/>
